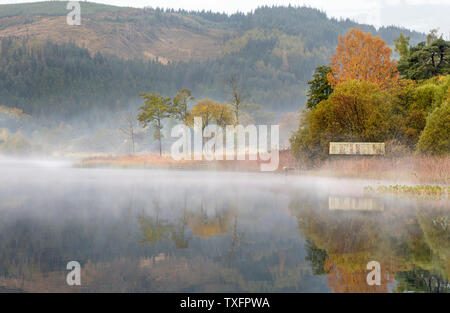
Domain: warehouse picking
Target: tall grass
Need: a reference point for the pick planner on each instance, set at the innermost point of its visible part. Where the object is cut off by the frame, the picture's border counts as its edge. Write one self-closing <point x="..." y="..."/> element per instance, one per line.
<point x="418" y="169"/>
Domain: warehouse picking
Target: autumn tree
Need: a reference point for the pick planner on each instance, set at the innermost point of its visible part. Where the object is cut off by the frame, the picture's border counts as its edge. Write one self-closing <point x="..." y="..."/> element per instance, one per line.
<point x="211" y="112"/>
<point x="204" y="226"/>
<point x="355" y="111"/>
<point x="344" y="280"/>
<point x="181" y="104"/>
<point x="154" y="111"/>
<point x="223" y="114"/>
<point x="362" y="56"/>
<point x="203" y="109"/>
<point x="153" y="230"/>
<point x="236" y="91"/>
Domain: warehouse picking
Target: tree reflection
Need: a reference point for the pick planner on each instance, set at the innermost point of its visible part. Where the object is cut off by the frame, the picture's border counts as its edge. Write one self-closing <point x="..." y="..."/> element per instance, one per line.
<point x="411" y="244"/>
<point x="317" y="257"/>
<point x="419" y="280"/>
<point x="204" y="225"/>
<point x="153" y="230"/>
<point x="179" y="237"/>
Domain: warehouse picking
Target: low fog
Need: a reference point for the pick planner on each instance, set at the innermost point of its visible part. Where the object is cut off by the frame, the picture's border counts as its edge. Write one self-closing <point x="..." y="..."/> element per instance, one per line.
<point x="104" y="133"/>
<point x="153" y="230"/>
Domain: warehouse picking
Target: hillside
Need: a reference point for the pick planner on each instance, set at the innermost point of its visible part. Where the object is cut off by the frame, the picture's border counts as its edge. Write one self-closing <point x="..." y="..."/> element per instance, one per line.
<point x="273" y="49"/>
<point x="173" y="35"/>
<point x="52" y="8"/>
<point x="125" y="32"/>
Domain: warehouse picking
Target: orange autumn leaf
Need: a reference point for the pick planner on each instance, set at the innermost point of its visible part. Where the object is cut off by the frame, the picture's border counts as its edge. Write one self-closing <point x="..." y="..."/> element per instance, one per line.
<point x="361" y="56"/>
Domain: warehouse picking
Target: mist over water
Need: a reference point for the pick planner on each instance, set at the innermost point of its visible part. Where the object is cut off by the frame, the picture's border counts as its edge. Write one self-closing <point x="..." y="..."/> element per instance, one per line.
<point x="154" y="230"/>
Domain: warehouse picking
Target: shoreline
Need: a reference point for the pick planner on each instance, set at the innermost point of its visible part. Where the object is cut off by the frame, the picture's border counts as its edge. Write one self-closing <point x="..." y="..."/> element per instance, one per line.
<point x="411" y="169"/>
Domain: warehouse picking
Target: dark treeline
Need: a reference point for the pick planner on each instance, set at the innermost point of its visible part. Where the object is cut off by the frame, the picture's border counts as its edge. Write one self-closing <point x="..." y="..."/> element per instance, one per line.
<point x="64" y="80"/>
<point x="317" y="28"/>
<point x="291" y="20"/>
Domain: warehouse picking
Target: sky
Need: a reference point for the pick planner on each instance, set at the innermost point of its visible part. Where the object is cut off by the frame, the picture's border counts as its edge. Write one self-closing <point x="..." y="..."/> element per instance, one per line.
<point x="421" y="15"/>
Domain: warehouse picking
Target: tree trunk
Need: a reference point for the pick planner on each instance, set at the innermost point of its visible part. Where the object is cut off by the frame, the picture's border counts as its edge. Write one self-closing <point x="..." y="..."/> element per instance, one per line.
<point x="132" y="136"/>
<point x="158" y="125"/>
<point x="132" y="141"/>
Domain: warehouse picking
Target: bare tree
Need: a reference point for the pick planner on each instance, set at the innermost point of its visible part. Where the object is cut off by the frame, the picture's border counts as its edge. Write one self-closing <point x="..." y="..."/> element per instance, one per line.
<point x="128" y="129"/>
<point x="236" y="91"/>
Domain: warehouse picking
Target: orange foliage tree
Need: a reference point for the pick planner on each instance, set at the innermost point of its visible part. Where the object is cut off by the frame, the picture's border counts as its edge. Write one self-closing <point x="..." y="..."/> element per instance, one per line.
<point x="361" y="56"/>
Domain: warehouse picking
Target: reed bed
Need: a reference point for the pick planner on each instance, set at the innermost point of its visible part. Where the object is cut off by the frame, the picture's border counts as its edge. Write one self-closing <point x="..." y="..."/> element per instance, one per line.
<point x="416" y="169"/>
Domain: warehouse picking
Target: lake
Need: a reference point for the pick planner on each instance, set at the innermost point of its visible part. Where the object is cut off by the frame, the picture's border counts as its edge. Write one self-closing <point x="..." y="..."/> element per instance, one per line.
<point x="191" y="231"/>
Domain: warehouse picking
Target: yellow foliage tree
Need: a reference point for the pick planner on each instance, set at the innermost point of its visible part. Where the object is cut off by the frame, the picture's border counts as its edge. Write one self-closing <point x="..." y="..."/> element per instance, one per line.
<point x="211" y="112"/>
<point x="361" y="56"/>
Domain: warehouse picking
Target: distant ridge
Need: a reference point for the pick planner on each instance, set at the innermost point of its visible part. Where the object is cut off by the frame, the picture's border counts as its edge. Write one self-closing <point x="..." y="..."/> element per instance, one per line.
<point x="170" y="35"/>
<point x="53" y="8"/>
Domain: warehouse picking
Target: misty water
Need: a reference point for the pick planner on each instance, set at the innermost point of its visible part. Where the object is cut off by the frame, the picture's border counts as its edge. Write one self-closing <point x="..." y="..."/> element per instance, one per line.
<point x="186" y="231"/>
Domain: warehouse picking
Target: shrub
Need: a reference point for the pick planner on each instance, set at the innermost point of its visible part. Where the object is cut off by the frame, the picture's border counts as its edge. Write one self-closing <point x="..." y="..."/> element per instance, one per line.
<point x="355" y="111"/>
<point x="435" y="138"/>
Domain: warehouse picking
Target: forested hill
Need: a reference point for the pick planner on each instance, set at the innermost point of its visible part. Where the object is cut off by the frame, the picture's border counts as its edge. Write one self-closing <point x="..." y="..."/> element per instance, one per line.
<point x="49" y="66"/>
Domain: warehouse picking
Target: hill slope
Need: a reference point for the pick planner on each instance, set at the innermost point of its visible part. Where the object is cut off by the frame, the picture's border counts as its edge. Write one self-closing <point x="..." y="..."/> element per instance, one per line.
<point x="273" y="49"/>
<point x="173" y="35"/>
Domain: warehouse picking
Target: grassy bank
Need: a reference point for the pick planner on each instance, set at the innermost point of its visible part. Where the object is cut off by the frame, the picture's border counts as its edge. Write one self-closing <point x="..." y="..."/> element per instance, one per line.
<point x="166" y="162"/>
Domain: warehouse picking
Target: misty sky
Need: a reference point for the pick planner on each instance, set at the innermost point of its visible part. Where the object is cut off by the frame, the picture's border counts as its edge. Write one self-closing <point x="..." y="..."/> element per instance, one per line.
<point x="422" y="15"/>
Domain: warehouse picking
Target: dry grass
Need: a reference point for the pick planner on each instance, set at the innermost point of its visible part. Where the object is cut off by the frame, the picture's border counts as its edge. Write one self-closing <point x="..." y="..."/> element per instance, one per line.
<point x="430" y="170"/>
<point x="415" y="169"/>
<point x="166" y="162"/>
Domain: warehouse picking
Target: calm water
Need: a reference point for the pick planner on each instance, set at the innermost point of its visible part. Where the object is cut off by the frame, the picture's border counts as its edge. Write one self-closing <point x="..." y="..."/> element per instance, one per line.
<point x="168" y="231"/>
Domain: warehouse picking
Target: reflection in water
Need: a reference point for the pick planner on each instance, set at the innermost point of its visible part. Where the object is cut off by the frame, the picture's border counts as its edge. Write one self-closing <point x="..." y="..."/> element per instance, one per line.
<point x="156" y="231"/>
<point x="355" y="203"/>
<point x="411" y="240"/>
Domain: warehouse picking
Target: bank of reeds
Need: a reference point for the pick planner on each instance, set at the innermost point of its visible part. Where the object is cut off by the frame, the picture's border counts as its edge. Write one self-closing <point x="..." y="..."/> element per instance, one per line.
<point x="416" y="169"/>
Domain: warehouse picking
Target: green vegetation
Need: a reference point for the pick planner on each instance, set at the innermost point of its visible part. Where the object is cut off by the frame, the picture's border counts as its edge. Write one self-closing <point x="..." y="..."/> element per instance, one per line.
<point x="319" y="88"/>
<point x="154" y="111"/>
<point x="181" y="104"/>
<point x="48" y="80"/>
<point x="424" y="60"/>
<point x="355" y="111"/>
<point x="418" y="190"/>
<point x="435" y="138"/>
<point x="270" y="53"/>
<point x="408" y="115"/>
